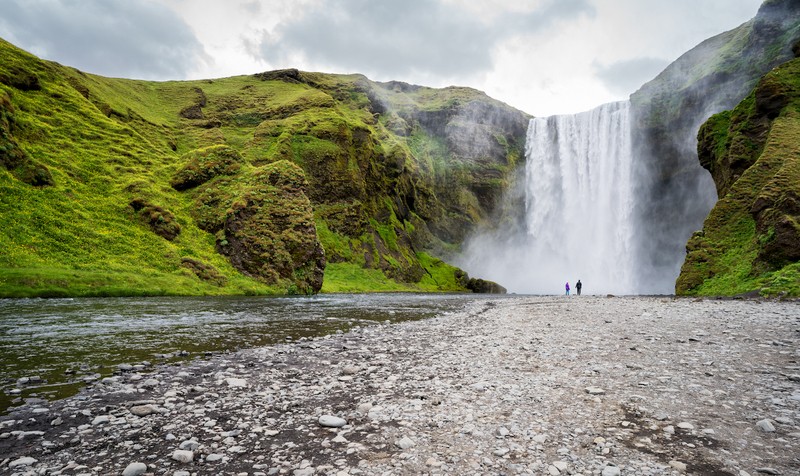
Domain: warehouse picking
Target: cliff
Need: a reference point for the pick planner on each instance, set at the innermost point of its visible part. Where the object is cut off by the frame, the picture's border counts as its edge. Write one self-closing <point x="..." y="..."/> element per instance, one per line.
<point x="677" y="194"/>
<point x="750" y="242"/>
<point x="279" y="182"/>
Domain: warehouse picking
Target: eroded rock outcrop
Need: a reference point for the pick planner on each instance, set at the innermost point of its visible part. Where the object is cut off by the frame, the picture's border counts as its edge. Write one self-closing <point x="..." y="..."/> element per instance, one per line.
<point x="751" y="239"/>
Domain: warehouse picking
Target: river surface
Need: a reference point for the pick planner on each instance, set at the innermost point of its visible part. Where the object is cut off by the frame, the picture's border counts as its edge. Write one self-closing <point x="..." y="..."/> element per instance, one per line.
<point x="50" y="348"/>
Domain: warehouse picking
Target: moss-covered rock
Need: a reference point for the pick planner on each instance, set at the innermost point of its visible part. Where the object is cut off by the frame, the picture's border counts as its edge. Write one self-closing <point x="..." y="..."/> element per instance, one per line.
<point x="204" y="271"/>
<point x="667" y="113"/>
<point x="751" y="239"/>
<point x="161" y="221"/>
<point x="206" y="163"/>
<point x="264" y="224"/>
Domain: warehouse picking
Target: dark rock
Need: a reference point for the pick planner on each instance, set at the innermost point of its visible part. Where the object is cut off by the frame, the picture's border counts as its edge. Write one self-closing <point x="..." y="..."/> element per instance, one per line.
<point x="192" y="112"/>
<point x="161" y="221"/>
<point x="21" y="79"/>
<point x="290" y="75"/>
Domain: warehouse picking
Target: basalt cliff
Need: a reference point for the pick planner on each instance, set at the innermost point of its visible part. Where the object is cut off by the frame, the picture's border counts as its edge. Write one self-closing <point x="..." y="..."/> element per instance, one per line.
<point x="676" y="194"/>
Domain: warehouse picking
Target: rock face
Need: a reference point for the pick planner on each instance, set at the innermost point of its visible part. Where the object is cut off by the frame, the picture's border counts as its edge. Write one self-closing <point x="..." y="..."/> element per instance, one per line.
<point x="667" y="113"/>
<point x="264" y="224"/>
<point x="753" y="155"/>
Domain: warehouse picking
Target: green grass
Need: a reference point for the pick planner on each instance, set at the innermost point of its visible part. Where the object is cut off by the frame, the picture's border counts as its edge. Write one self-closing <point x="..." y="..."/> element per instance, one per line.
<point x="110" y="142"/>
<point x="352" y="278"/>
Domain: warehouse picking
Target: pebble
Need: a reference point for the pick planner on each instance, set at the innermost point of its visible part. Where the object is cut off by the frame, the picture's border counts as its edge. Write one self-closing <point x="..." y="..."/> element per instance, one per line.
<point x="24" y="461"/>
<point x="765" y="426"/>
<point x="508" y="385"/>
<point x="405" y="443"/>
<point x="135" y="469"/>
<point x="143" y="410"/>
<point x="332" y="421"/>
<point x="678" y="465"/>
<point x="183" y="456"/>
<point x="610" y="471"/>
<point x="101" y="420"/>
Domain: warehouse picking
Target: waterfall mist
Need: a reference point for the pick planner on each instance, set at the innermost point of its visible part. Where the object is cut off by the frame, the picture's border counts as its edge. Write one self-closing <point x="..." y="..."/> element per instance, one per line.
<point x="578" y="218"/>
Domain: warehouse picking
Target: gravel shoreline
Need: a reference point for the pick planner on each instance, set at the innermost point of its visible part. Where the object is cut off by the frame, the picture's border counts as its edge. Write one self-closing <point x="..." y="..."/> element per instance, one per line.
<point x="526" y="385"/>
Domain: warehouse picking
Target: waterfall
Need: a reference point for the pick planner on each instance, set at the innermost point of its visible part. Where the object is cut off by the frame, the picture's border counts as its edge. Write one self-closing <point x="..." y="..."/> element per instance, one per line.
<point x="578" y="199"/>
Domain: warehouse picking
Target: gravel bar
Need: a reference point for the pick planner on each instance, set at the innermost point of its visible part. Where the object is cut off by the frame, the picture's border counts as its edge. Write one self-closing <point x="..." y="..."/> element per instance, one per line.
<point x="583" y="385"/>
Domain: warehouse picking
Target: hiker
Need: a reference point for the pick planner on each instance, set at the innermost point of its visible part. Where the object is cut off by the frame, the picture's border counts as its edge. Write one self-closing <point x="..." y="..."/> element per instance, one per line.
<point x="578" y="287"/>
<point x="567" y="288"/>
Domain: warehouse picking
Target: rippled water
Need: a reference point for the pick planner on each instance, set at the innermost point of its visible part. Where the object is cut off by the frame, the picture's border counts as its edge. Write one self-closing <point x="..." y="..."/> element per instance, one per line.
<point x="59" y="344"/>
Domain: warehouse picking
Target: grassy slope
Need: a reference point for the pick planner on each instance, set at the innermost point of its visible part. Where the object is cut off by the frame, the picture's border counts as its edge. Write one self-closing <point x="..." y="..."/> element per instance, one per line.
<point x="723" y="259"/>
<point x="107" y="141"/>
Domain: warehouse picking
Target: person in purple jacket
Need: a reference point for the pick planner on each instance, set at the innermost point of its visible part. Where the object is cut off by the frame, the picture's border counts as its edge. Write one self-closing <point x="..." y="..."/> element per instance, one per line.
<point x="567" y="288"/>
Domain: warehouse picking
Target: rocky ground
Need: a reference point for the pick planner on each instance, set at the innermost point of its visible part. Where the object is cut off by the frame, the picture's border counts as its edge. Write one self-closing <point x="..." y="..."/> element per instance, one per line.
<point x="528" y="385"/>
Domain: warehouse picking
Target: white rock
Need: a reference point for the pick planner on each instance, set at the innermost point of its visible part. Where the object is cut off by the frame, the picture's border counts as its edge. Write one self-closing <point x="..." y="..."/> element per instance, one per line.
<point x="135" y="469"/>
<point x="765" y="426"/>
<point x="610" y="471"/>
<point x="405" y="443"/>
<point x="143" y="410"/>
<point x="213" y="457"/>
<point x="595" y="391"/>
<point x="685" y="426"/>
<point x="678" y="465"/>
<point x="183" y="456"/>
<point x="332" y="421"/>
<point x="560" y="465"/>
<point x="236" y="382"/>
<point x="101" y="420"/>
<point x="24" y="461"/>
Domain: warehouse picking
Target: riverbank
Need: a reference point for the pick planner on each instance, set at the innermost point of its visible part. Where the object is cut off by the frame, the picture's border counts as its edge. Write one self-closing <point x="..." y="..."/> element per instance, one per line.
<point x="528" y="385"/>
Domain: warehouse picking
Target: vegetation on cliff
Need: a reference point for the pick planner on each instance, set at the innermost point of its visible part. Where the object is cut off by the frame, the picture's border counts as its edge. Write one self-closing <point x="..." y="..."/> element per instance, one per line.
<point x="667" y="113"/>
<point x="281" y="182"/>
<point x="750" y="241"/>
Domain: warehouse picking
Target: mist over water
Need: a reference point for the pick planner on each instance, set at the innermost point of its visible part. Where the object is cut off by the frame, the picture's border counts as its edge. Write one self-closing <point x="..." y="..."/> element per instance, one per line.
<point x="578" y="210"/>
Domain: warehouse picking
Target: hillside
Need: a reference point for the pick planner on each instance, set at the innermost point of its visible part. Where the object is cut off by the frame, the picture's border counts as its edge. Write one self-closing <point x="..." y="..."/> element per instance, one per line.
<point x="279" y="182"/>
<point x="750" y="241"/>
<point x="677" y="194"/>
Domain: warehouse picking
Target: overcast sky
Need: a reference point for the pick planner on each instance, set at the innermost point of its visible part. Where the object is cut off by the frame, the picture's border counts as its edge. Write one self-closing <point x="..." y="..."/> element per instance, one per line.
<point x="542" y="56"/>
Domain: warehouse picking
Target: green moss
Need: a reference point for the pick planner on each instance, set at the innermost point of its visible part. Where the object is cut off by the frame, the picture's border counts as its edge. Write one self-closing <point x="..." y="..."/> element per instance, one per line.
<point x="751" y="240"/>
<point x="199" y="157"/>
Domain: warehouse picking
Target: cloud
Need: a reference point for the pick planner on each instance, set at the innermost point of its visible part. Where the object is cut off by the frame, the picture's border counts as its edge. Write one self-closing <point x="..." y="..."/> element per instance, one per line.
<point x="141" y="39"/>
<point x="428" y="37"/>
<point x="624" y="77"/>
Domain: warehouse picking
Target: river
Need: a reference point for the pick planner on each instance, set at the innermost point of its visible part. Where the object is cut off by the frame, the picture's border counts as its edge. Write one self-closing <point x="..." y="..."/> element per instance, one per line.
<point x="50" y="348"/>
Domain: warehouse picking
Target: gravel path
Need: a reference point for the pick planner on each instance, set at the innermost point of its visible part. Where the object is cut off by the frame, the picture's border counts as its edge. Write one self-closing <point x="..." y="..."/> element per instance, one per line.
<point x="528" y="385"/>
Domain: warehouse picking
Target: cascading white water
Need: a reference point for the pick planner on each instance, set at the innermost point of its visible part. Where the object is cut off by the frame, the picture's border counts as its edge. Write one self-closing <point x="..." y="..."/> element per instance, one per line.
<point x="579" y="200"/>
<point x="578" y="197"/>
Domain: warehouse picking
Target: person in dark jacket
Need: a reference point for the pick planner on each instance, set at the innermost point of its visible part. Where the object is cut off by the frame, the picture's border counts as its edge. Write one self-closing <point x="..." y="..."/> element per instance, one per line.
<point x="578" y="287"/>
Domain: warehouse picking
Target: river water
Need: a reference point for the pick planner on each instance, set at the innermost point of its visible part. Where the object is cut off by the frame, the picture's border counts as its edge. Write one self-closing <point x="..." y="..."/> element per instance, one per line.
<point x="50" y="348"/>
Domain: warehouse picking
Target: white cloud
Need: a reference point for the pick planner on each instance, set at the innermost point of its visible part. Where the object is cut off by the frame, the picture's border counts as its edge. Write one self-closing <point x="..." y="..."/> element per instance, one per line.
<point x="541" y="56"/>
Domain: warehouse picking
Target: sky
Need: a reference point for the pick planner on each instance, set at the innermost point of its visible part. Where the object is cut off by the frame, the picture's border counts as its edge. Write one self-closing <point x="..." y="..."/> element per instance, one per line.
<point x="541" y="56"/>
